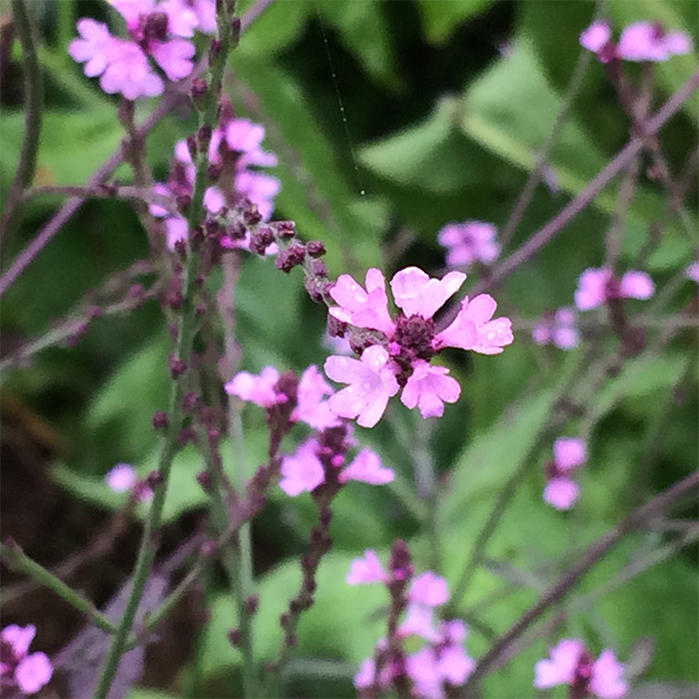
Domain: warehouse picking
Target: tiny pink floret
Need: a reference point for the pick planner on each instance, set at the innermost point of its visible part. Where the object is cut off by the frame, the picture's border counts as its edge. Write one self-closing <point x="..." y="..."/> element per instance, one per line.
<point x="416" y="293"/>
<point x="429" y="388"/>
<point x="429" y="589"/>
<point x="569" y="452"/>
<point x="258" y="389"/>
<point x="302" y="471"/>
<point x="366" y="467"/>
<point x="121" y="478"/>
<point x="596" y="36"/>
<point x="363" y="307"/>
<point x="366" y="570"/>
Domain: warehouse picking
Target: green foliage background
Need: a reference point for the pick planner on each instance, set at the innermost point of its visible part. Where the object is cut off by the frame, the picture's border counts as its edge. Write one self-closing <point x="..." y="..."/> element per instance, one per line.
<point x="446" y="104"/>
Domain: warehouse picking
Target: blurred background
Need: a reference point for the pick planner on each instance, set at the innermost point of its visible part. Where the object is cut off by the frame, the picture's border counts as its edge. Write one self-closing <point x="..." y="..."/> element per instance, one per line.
<point x="446" y="103"/>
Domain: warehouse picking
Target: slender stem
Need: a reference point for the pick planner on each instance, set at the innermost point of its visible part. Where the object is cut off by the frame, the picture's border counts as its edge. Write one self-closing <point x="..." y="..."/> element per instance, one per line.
<point x="186" y="332"/>
<point x="620" y="161"/>
<point x="18" y="560"/>
<point x="654" y="507"/>
<point x="33" y="100"/>
<point x="164" y="107"/>
<point x="243" y="569"/>
<point x="541" y="162"/>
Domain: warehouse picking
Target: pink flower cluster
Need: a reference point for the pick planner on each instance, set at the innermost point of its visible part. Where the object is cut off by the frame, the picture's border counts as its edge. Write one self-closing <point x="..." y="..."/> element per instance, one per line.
<point x="558" y="329"/>
<point x="561" y="490"/>
<point x="123" y="477"/>
<point x="442" y="660"/>
<point x="395" y="353"/>
<point x="570" y="664"/>
<point x="640" y="41"/>
<point x="598" y="285"/>
<point x="318" y="457"/>
<point x="19" y="669"/>
<point x="157" y="30"/>
<point x="235" y="147"/>
<point x="469" y="242"/>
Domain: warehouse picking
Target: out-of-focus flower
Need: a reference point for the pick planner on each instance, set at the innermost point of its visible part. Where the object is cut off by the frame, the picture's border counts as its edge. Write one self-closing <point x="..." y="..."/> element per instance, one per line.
<point x="562" y="491"/>
<point x="469" y="242"/>
<point x="597" y="284"/>
<point x="311" y="407"/>
<point x="570" y="664"/>
<point x="596" y="36"/>
<point x="557" y="329"/>
<point x="18" y="668"/>
<point x="429" y="589"/>
<point x="259" y="389"/>
<point x="121" y="478"/>
<point x="692" y="272"/>
<point x="366" y="467"/>
<point x="302" y="471"/>
<point x="366" y="570"/>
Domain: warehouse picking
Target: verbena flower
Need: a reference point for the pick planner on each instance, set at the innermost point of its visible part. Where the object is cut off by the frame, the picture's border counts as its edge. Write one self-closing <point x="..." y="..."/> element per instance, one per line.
<point x="692" y="272"/>
<point x="558" y="329"/>
<point x="256" y="388"/>
<point x="570" y="664"/>
<point x="597" y="285"/>
<point x="639" y="42"/>
<point x="469" y="242"/>
<point x="158" y="31"/>
<point x="121" y="478"/>
<point x="397" y="351"/>
<point x="562" y="491"/>
<point x="18" y="668"/>
<point x="442" y="661"/>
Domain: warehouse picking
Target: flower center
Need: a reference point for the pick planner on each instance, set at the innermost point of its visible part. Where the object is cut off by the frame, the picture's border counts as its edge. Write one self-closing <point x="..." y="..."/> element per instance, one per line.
<point x="414" y="335"/>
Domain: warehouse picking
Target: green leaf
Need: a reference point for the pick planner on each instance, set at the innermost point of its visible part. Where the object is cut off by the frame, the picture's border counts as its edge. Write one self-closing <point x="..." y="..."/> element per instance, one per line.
<point x="441" y="17"/>
<point x="365" y="31"/>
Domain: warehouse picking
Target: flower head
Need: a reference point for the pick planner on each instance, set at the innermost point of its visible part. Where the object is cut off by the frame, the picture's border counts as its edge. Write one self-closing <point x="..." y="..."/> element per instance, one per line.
<point x="28" y="672"/>
<point x="469" y="242"/>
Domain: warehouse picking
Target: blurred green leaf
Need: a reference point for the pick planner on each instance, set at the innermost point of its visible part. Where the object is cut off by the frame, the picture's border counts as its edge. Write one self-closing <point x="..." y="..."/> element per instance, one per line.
<point x="441" y="17"/>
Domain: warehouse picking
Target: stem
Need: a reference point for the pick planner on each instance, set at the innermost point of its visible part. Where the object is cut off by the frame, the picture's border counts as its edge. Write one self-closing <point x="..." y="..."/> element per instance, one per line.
<point x="620" y="161"/>
<point x="540" y="164"/>
<point x="18" y="560"/>
<point x="33" y="101"/>
<point x="654" y="507"/>
<point x="186" y="331"/>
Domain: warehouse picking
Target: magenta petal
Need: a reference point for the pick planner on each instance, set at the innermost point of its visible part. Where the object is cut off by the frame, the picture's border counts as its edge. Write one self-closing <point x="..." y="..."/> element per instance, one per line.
<point x="569" y="452"/>
<point x="366" y="570"/>
<point x="606" y="681"/>
<point x="561" y="493"/>
<point x="33" y="672"/>
<point x="560" y="669"/>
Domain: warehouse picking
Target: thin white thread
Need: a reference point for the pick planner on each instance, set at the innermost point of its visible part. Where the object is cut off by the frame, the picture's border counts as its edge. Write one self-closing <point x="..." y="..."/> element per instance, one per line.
<point x="340" y="104"/>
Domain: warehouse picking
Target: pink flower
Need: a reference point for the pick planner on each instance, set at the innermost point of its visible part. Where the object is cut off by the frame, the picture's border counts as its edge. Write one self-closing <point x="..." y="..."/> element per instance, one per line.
<point x="367" y="670"/>
<point x="93" y="49"/>
<point x="429" y="388"/>
<point x="259" y="188"/>
<point x="636" y="285"/>
<point x="570" y="664"/>
<point x="303" y="471"/>
<point x="419" y="621"/>
<point x="366" y="570"/>
<point x="423" y="669"/>
<point x="469" y="242"/>
<point x="596" y="36"/>
<point x="558" y="329"/>
<point x="129" y="72"/>
<point x="174" y="57"/>
<point x="28" y="672"/>
<point x="429" y="589"/>
<point x="692" y="272"/>
<point x="606" y="681"/>
<point x="182" y="19"/>
<point x="366" y="468"/>
<point x="176" y="229"/>
<point x="454" y="665"/>
<point x="121" y="478"/>
<point x="371" y="383"/>
<point x="592" y="288"/>
<point x="561" y="491"/>
<point x="363" y="308"/>
<point x="259" y="389"/>
<point x="561" y="667"/>
<point x="243" y="135"/>
<point x="646" y="41"/>
<point x="596" y="285"/>
<point x="415" y="293"/>
<point x="473" y="329"/>
<point x="453" y="631"/>
<point x="311" y="408"/>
